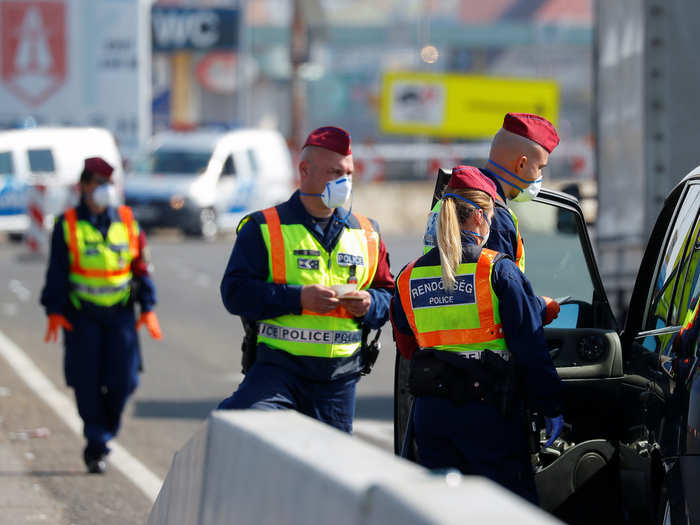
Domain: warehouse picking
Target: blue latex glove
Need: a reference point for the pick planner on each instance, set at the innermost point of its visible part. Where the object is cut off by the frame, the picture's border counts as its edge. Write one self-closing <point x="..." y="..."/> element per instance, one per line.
<point x="553" y="426"/>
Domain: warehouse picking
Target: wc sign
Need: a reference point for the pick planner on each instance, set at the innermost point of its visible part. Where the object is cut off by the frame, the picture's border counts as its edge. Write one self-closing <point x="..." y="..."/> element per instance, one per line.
<point x="194" y="29"/>
<point x="33" y="43"/>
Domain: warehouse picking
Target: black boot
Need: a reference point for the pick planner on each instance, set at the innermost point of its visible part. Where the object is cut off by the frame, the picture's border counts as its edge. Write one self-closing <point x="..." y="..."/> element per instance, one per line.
<point x="95" y="461"/>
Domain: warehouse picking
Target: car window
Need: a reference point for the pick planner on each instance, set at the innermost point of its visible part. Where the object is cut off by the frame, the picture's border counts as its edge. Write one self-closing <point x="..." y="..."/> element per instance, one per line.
<point x="6" y="165"/>
<point x="555" y="263"/>
<point x="41" y="160"/>
<point x="229" y="168"/>
<point x="675" y="282"/>
<point x="665" y="309"/>
<point x="165" y="161"/>
<point x="687" y="289"/>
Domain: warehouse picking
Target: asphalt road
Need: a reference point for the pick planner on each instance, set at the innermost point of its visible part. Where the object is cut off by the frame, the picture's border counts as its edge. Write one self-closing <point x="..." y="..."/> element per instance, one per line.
<point x="185" y="376"/>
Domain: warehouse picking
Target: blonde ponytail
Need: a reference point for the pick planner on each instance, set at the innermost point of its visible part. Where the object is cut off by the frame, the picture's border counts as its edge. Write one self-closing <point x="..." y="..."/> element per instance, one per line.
<point x="449" y="243"/>
<point x="449" y="239"/>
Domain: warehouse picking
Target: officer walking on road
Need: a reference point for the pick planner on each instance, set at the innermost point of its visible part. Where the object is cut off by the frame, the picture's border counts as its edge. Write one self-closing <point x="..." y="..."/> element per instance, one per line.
<point x="519" y="152"/>
<point x="311" y="275"/>
<point x="469" y="321"/>
<point x="98" y="268"/>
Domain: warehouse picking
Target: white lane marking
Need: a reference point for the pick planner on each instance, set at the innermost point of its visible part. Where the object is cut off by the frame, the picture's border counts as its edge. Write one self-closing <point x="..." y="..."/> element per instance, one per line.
<point x="120" y="458"/>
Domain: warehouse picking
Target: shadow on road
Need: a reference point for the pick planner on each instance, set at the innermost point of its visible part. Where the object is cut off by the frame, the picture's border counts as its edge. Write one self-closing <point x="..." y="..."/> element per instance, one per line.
<point x="366" y="407"/>
<point x="198" y="409"/>
<point x="41" y="473"/>
<point x="374" y="407"/>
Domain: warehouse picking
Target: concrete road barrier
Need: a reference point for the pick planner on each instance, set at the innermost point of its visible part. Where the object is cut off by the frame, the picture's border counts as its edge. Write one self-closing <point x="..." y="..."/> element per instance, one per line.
<point x="277" y="468"/>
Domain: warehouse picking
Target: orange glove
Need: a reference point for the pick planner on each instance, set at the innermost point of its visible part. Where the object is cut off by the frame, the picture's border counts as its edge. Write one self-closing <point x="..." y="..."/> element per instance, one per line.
<point x="551" y="309"/>
<point x="55" y="322"/>
<point x="151" y="322"/>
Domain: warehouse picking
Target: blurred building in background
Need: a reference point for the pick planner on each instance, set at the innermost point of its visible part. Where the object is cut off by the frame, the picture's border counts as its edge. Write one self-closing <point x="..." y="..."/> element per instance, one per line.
<point x="387" y="70"/>
<point x="436" y="73"/>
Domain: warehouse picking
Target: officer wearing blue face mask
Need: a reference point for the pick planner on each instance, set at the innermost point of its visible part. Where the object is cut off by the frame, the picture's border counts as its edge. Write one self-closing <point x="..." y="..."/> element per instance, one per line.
<point x="306" y="276"/>
<point x="519" y="152"/>
<point x="467" y="319"/>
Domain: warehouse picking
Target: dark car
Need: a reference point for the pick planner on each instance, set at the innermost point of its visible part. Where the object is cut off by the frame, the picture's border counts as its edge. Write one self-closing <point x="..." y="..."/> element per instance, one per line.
<point x="632" y="451"/>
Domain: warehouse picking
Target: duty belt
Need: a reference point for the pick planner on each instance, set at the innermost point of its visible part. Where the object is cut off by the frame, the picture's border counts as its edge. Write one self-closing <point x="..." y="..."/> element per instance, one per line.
<point x="99" y="290"/>
<point x="309" y="335"/>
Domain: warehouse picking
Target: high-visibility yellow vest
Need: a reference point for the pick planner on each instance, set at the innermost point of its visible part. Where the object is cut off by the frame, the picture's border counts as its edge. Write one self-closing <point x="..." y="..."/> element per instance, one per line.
<point x="466" y="320"/>
<point x="430" y="239"/>
<point x="690" y="317"/>
<point x="100" y="268"/>
<point x="296" y="257"/>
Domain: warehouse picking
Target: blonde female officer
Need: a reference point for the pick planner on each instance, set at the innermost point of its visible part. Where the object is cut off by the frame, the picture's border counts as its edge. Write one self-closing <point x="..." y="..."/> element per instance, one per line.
<point x="466" y="316"/>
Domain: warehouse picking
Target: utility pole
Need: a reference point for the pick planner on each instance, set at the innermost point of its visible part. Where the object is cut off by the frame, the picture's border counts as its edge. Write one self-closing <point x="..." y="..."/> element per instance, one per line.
<point x="299" y="49"/>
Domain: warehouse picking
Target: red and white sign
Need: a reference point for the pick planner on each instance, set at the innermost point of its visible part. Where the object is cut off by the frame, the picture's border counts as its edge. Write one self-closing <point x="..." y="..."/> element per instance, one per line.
<point x="33" y="48"/>
<point x="217" y="72"/>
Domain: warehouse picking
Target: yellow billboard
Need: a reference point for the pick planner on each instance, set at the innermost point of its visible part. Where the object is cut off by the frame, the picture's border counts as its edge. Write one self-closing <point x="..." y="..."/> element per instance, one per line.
<point x="460" y="106"/>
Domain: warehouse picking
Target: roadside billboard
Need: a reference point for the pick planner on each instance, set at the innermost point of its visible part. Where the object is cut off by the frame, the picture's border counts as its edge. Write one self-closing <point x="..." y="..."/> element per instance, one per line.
<point x="460" y="106"/>
<point x="77" y="62"/>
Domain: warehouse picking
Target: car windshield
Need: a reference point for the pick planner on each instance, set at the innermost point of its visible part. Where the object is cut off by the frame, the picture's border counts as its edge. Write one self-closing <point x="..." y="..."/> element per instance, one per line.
<point x="174" y="162"/>
<point x="556" y="266"/>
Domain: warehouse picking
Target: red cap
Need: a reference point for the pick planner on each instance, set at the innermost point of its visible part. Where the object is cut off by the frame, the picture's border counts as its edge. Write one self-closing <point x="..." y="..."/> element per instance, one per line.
<point x="533" y="127"/>
<point x="469" y="177"/>
<point x="330" y="138"/>
<point x="98" y="166"/>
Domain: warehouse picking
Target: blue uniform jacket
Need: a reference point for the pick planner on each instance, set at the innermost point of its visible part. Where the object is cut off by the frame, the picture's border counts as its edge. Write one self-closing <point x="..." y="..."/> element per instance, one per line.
<point x="522" y="327"/>
<point x="502" y="237"/>
<point x="54" y="296"/>
<point x="246" y="292"/>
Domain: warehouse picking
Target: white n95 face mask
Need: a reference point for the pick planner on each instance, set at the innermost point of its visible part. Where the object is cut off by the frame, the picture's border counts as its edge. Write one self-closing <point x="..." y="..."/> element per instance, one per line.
<point x="336" y="192"/>
<point x="105" y="195"/>
<point x="529" y="192"/>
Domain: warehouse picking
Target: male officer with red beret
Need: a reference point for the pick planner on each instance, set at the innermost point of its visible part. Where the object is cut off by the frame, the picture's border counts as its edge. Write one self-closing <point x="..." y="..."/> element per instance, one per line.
<point x="519" y="152"/>
<point x="310" y="274"/>
<point x="97" y="269"/>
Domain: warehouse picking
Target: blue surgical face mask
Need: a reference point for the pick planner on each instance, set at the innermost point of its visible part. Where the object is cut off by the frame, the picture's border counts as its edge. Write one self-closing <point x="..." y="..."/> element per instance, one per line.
<point x="336" y="192"/>
<point x="525" y="194"/>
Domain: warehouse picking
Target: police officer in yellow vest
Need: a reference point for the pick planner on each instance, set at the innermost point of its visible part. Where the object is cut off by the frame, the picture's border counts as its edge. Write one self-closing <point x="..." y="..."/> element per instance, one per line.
<point x="519" y="152"/>
<point x="97" y="269"/>
<point x="309" y="273"/>
<point x="469" y="321"/>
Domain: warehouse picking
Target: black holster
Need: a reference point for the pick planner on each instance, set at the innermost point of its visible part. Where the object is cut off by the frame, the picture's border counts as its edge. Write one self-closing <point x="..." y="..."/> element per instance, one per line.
<point x="249" y="344"/>
<point x="484" y="380"/>
<point x="369" y="349"/>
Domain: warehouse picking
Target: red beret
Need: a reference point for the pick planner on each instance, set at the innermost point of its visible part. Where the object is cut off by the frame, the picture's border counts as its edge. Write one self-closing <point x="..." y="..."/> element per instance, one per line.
<point x="533" y="127"/>
<point x="469" y="177"/>
<point x="97" y="165"/>
<point x="330" y="138"/>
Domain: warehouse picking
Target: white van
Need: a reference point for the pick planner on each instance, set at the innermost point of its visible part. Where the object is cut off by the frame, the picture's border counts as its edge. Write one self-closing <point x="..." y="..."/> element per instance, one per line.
<point x="54" y="158"/>
<point x="204" y="182"/>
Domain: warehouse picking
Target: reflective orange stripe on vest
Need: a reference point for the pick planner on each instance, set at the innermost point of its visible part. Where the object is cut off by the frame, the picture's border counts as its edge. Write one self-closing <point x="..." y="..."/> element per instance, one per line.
<point x="488" y="330"/>
<point x="127" y="218"/>
<point x="71" y="217"/>
<point x="279" y="267"/>
<point x="372" y="249"/>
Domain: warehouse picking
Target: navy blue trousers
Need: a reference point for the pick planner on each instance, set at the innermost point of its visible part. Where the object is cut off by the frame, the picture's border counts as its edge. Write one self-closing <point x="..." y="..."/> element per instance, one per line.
<point x="270" y="387"/>
<point x="101" y="364"/>
<point x="476" y="440"/>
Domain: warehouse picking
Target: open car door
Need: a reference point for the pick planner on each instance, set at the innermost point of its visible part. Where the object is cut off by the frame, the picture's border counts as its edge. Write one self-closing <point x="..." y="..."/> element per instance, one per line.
<point x="585" y="347"/>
